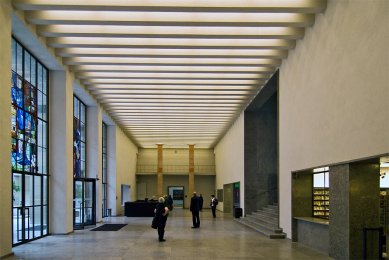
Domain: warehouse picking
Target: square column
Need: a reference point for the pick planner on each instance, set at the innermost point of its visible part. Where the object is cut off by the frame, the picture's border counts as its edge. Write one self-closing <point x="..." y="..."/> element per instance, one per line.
<point x="5" y="129"/>
<point x="94" y="153"/>
<point x="111" y="169"/>
<point x="160" y="170"/>
<point x="191" y="183"/>
<point x="61" y="152"/>
<point x="354" y="205"/>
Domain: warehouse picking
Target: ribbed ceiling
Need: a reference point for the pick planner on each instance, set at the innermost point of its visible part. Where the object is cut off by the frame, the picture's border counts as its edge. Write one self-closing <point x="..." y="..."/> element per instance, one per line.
<point x="176" y="72"/>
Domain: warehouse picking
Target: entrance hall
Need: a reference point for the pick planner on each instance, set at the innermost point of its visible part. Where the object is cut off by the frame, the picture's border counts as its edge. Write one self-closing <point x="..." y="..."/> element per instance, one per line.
<point x="220" y="238"/>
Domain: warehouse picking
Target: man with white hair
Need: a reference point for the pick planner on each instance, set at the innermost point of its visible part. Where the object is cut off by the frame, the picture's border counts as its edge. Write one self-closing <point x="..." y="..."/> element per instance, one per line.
<point x="161" y="213"/>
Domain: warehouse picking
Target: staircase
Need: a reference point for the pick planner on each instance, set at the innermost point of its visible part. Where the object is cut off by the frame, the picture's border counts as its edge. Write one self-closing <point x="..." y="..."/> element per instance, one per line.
<point x="264" y="221"/>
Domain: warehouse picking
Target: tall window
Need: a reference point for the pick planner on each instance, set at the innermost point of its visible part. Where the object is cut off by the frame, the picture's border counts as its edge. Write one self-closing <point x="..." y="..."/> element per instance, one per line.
<point x="79" y="163"/>
<point x="29" y="150"/>
<point x="104" y="171"/>
<point x="79" y="148"/>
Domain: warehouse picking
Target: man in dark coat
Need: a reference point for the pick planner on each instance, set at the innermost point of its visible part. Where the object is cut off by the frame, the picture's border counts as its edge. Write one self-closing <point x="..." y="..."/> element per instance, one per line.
<point x="195" y="209"/>
<point x="201" y="202"/>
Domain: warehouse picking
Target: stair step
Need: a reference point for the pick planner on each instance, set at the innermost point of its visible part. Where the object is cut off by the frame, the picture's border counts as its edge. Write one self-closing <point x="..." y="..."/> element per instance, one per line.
<point x="265" y="214"/>
<point x="274" y="207"/>
<point x="270" y="233"/>
<point x="270" y="228"/>
<point x="271" y="210"/>
<point x="265" y="221"/>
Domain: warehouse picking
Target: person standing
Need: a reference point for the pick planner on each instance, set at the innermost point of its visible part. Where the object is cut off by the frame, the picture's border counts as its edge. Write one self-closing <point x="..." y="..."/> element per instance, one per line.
<point x="169" y="202"/>
<point x="213" y="205"/>
<point x="161" y="214"/>
<point x="195" y="209"/>
<point x="201" y="202"/>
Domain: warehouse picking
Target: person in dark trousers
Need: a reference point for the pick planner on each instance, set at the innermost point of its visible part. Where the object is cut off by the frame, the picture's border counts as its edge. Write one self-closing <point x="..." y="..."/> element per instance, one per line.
<point x="213" y="205"/>
<point x="201" y="202"/>
<point x="169" y="202"/>
<point x="161" y="214"/>
<point x="195" y="209"/>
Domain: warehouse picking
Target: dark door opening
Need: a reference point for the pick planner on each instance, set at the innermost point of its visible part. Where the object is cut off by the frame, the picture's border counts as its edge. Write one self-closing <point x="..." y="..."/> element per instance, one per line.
<point x="84" y="203"/>
<point x="177" y="193"/>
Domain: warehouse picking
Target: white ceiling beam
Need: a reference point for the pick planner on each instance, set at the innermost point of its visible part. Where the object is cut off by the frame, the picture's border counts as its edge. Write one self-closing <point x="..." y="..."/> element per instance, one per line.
<point x="107" y="88"/>
<point x="171" y="53"/>
<point x="169" y="18"/>
<point x="167" y="68"/>
<point x="175" y="92"/>
<point x="300" y="6"/>
<point x="192" y="32"/>
<point x="178" y="110"/>
<point x="219" y="81"/>
<point x="165" y="43"/>
<point x="173" y="61"/>
<point x="171" y="98"/>
<point x="152" y="75"/>
<point x="209" y="105"/>
<point x="123" y="101"/>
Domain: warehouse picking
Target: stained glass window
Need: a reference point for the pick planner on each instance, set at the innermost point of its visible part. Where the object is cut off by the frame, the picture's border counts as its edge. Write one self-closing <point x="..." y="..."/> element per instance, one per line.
<point x="79" y="140"/>
<point x="29" y="83"/>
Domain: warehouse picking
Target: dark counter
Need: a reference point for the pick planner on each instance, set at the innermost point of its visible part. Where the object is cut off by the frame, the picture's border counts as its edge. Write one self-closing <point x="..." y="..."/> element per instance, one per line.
<point x="139" y="209"/>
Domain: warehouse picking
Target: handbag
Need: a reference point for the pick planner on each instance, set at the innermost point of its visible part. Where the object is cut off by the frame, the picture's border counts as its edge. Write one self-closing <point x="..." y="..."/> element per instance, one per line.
<point x="154" y="223"/>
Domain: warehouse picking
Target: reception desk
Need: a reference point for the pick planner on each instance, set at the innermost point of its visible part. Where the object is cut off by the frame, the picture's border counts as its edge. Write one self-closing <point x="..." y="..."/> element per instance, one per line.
<point x="139" y="208"/>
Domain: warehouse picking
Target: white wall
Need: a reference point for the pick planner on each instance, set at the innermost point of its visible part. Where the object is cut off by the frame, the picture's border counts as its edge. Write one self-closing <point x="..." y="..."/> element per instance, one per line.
<point x="5" y="129"/>
<point x="126" y="156"/>
<point x="229" y="159"/>
<point x="334" y="92"/>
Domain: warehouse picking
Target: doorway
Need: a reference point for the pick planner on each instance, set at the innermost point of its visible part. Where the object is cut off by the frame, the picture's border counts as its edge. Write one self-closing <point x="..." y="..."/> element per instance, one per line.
<point x="84" y="203"/>
<point x="177" y="193"/>
<point x="29" y="207"/>
<point x="228" y="198"/>
<point x="236" y="195"/>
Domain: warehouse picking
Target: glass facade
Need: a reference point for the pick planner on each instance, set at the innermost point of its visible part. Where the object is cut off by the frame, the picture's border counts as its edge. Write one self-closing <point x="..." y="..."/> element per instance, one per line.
<point x="29" y="148"/>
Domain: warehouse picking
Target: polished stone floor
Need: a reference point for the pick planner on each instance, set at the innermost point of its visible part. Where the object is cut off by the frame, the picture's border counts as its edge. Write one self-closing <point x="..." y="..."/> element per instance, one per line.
<point x="220" y="238"/>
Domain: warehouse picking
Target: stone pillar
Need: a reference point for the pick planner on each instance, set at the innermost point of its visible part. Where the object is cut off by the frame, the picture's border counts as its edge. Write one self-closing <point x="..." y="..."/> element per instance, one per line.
<point x="5" y="129"/>
<point x="191" y="170"/>
<point x="111" y="169"/>
<point x="354" y="205"/>
<point x="61" y="152"/>
<point x="94" y="153"/>
<point x="160" y="170"/>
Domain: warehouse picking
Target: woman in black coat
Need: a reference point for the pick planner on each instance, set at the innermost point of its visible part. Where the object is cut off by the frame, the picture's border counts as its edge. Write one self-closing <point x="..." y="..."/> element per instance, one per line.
<point x="161" y="213"/>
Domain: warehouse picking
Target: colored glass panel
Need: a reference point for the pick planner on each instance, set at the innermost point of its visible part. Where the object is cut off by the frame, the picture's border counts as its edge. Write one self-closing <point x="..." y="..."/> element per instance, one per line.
<point x="28" y="145"/>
